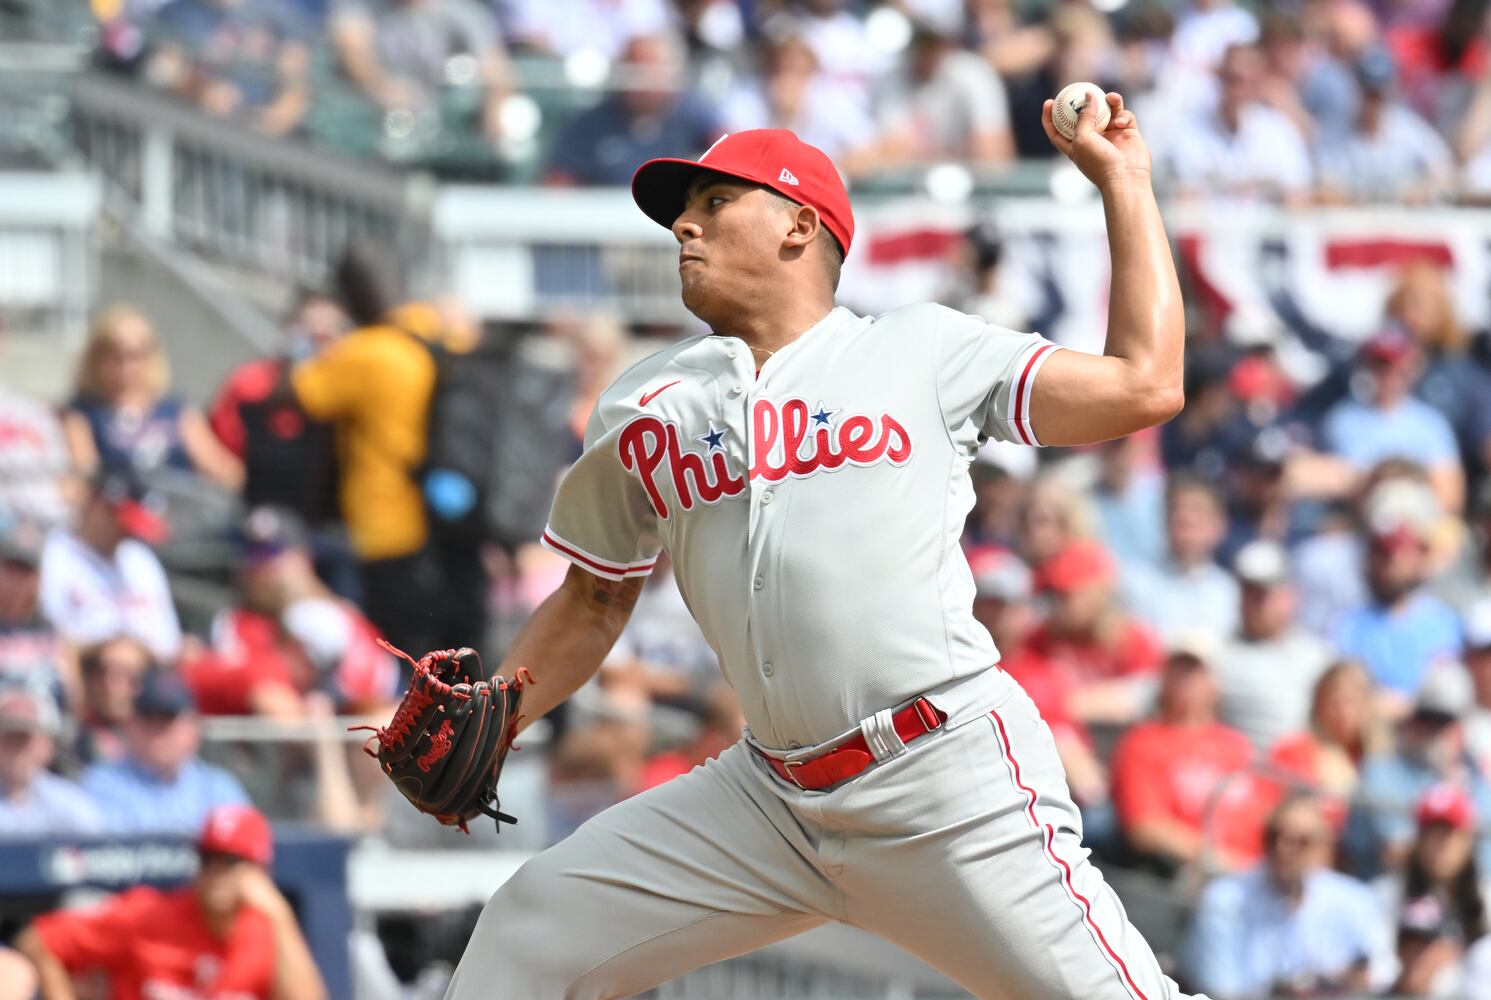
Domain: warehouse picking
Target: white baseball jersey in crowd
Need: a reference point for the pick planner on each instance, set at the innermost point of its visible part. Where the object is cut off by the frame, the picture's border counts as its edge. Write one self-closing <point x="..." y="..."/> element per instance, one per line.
<point x="813" y="513"/>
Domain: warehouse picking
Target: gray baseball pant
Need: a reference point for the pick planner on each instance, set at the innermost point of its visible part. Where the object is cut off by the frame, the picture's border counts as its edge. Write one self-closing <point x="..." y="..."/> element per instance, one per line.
<point x="963" y="847"/>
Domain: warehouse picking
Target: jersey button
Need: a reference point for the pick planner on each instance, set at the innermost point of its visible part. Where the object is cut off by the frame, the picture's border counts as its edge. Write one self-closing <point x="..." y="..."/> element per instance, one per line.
<point x="737" y="389"/>
<point x="732" y="353"/>
<point x="766" y="497"/>
<point x="759" y="582"/>
<point x="767" y="668"/>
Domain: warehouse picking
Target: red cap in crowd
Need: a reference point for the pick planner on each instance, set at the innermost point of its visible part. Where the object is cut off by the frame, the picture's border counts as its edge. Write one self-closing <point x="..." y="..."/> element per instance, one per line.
<point x="239" y="831"/>
<point x="772" y="157"/>
<point x="1446" y="804"/>
<point x="1080" y="564"/>
<point x="1389" y="346"/>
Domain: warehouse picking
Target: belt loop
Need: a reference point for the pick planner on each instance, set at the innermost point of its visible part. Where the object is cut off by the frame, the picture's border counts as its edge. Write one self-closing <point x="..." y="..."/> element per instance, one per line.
<point x="880" y="735"/>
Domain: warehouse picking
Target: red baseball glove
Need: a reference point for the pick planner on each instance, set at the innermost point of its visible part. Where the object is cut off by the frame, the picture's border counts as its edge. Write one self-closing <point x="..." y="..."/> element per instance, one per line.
<point x="446" y="743"/>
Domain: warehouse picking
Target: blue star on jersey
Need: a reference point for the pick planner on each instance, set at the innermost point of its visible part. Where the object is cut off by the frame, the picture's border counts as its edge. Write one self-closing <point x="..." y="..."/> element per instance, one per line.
<point x="714" y="438"/>
<point x="824" y="416"/>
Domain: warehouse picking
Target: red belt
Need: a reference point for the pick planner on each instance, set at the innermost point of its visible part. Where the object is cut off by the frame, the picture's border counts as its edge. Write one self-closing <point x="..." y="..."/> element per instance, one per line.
<point x="853" y="755"/>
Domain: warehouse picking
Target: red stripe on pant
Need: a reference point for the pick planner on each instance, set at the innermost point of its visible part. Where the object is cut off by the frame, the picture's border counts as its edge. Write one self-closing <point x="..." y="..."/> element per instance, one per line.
<point x="1048" y="837"/>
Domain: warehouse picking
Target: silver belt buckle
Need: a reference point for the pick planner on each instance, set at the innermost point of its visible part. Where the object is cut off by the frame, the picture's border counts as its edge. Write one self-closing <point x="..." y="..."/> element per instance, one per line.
<point x="792" y="775"/>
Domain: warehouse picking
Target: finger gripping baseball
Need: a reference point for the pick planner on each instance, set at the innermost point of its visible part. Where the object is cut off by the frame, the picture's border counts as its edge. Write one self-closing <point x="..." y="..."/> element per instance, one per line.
<point x="445" y="745"/>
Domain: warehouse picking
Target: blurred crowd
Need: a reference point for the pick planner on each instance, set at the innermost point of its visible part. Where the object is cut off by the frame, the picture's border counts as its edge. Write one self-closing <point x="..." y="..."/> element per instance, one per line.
<point x="1261" y="634"/>
<point x="1296" y="100"/>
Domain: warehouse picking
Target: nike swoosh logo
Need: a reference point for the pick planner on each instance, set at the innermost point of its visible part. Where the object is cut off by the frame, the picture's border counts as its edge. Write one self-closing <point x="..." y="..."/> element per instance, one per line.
<point x="648" y="397"/>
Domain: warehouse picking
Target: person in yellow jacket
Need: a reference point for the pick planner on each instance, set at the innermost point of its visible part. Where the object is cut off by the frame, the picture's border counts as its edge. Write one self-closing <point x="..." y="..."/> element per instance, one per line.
<point x="375" y="385"/>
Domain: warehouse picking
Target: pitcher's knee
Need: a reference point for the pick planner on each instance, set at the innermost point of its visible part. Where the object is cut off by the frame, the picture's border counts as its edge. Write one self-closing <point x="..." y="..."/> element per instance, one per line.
<point x="522" y="934"/>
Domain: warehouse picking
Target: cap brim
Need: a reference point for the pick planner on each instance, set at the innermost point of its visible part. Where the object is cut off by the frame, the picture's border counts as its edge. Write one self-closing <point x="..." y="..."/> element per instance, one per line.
<point x="659" y="186"/>
<point x="139" y="521"/>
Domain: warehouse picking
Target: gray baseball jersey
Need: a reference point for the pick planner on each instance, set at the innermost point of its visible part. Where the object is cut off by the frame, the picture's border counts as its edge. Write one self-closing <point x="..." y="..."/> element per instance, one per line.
<point x="812" y="513"/>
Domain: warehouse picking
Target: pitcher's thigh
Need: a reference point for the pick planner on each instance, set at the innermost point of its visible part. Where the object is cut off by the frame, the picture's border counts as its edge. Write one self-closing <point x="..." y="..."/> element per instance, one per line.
<point x="683" y="875"/>
<point x="996" y="891"/>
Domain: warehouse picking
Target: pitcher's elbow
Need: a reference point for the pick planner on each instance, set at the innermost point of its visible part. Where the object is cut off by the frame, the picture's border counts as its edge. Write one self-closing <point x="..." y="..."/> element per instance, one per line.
<point x="1165" y="403"/>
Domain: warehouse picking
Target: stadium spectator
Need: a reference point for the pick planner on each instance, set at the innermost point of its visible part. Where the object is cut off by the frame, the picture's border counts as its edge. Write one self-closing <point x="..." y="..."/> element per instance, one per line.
<point x="1289" y="926"/>
<point x="599" y="345"/>
<point x="1036" y="57"/>
<point x="1344" y="731"/>
<point x="1389" y="154"/>
<point x="102" y="580"/>
<point x="122" y="420"/>
<point x="978" y="287"/>
<point x="1129" y="497"/>
<point x="1429" y="751"/>
<point x="32" y="651"/>
<point x="1449" y="380"/>
<point x="790" y="92"/>
<point x="661" y="655"/>
<point x="160" y="785"/>
<point x="288" y="459"/>
<point x="720" y="726"/>
<point x="1108" y="659"/>
<point x="942" y="103"/>
<point x="35" y="803"/>
<point x="1188" y="591"/>
<point x="1268" y="670"/>
<point x="851" y="62"/>
<point x="1181" y="785"/>
<point x="1002" y="602"/>
<point x="1259" y="504"/>
<point x="403" y="54"/>
<point x="374" y="385"/>
<point x="1431" y="951"/>
<point x="1401" y="629"/>
<point x="249" y="61"/>
<point x="228" y="933"/>
<point x="112" y="673"/>
<point x="585" y="28"/>
<point x="1442" y="863"/>
<point x="1478" y="666"/>
<point x="1207" y="29"/>
<point x="654" y="115"/>
<point x="288" y="635"/>
<point x="1055" y="516"/>
<point x="1241" y="147"/>
<point x="33" y="459"/>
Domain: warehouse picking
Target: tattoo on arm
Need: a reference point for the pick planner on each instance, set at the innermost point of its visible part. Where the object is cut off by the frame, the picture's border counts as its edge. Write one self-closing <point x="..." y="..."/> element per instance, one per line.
<point x="613" y="596"/>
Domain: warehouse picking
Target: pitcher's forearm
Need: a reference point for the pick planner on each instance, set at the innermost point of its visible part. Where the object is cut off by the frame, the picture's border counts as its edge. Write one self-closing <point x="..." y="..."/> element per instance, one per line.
<point x="1146" y="320"/>
<point x="568" y="636"/>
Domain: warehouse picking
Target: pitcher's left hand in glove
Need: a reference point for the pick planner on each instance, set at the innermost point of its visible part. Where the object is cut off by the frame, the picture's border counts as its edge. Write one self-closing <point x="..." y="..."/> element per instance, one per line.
<point x="446" y="743"/>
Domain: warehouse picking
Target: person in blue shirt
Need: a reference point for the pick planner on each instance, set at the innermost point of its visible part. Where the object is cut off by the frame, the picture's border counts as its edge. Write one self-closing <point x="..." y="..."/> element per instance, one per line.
<point x="161" y="785"/>
<point x="1401" y="629"/>
<point x="656" y="116"/>
<point x="1289" y="926"/>
<point x="1390" y="423"/>
<point x="1430" y="751"/>
<point x="34" y="802"/>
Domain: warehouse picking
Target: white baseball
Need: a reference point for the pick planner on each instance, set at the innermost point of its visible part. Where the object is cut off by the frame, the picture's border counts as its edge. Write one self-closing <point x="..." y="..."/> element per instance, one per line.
<point x="1070" y="102"/>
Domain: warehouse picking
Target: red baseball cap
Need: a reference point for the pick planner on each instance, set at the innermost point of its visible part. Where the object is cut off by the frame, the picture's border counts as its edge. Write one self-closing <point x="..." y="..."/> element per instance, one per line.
<point x="1446" y="804"/>
<point x="772" y="157"/>
<point x="240" y="831"/>
<point x="1080" y="564"/>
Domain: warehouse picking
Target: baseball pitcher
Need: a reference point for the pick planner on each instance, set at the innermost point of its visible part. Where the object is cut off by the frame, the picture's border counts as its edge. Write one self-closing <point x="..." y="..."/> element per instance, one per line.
<point x="807" y="471"/>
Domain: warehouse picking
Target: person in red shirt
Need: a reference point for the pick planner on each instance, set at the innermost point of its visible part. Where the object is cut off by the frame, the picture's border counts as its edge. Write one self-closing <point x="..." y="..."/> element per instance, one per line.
<point x="1183" y="785"/>
<point x="229" y="935"/>
<point x="289" y="635"/>
<point x="1107" y="659"/>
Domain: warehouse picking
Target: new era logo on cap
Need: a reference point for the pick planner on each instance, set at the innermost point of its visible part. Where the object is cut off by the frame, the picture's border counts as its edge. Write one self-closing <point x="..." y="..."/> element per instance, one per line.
<point x="787" y="178"/>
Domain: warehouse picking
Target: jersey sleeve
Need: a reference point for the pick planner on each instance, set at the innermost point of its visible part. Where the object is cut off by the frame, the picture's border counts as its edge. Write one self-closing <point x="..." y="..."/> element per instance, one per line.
<point x="602" y="519"/>
<point x="985" y="376"/>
